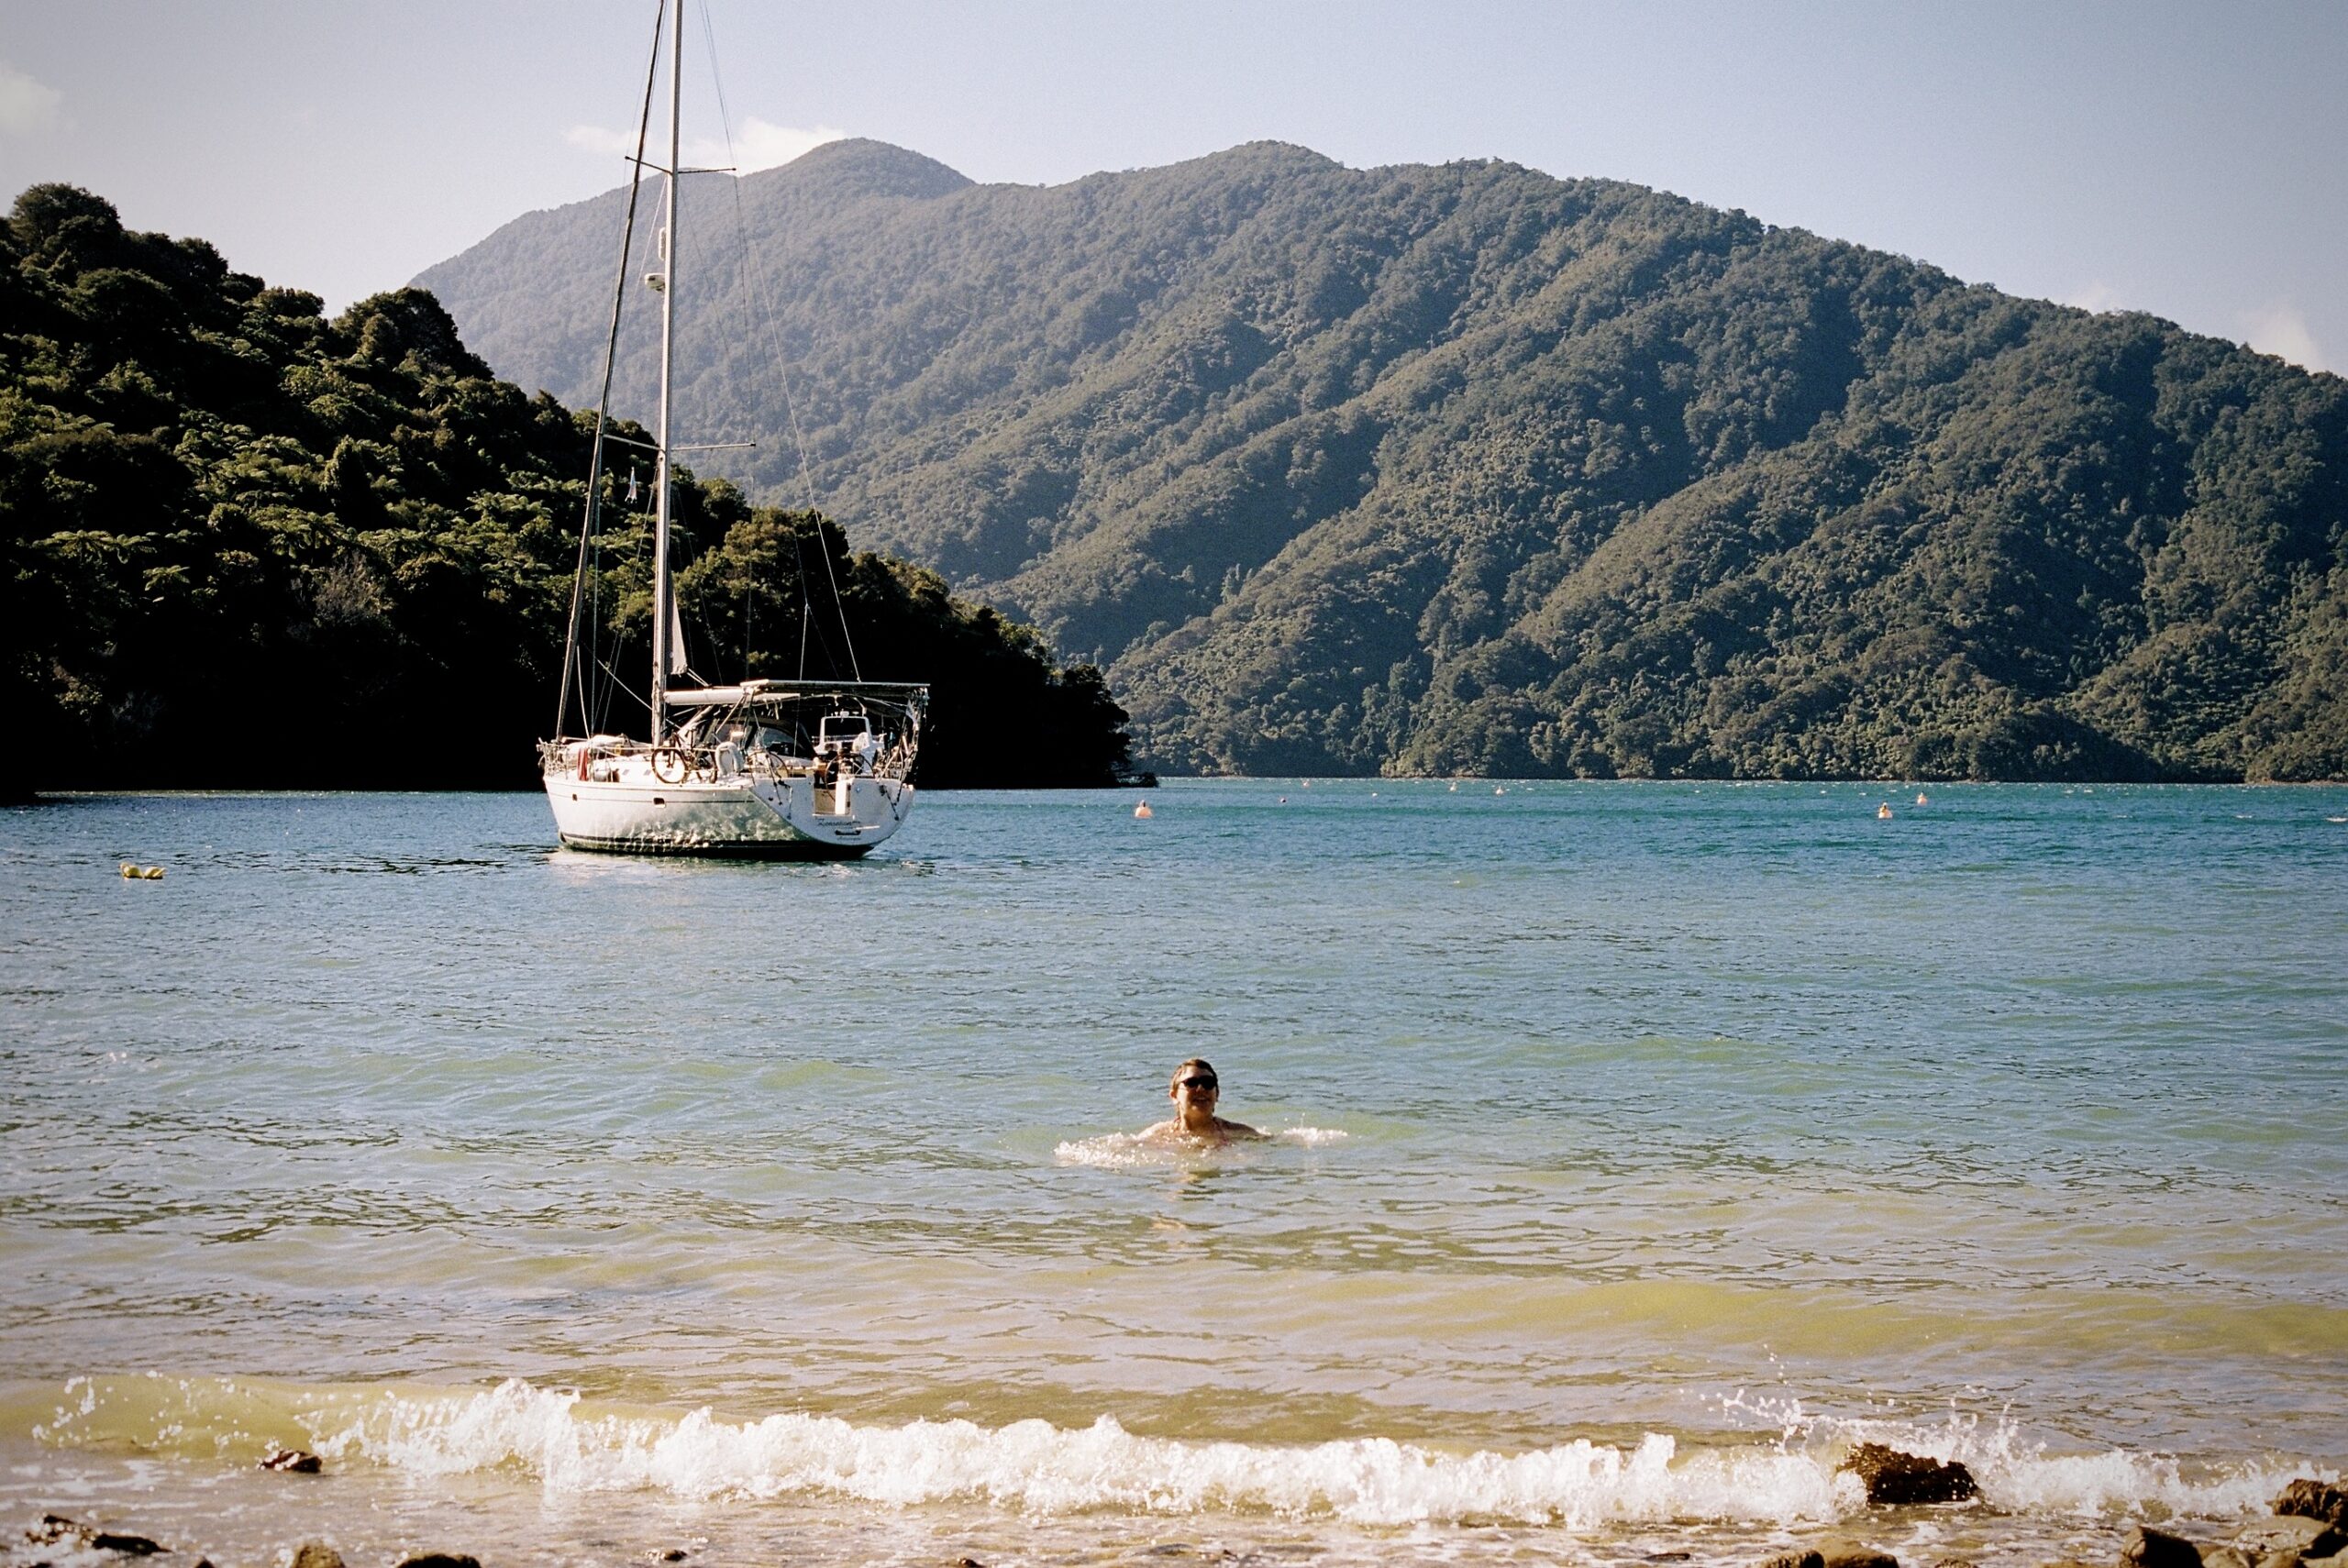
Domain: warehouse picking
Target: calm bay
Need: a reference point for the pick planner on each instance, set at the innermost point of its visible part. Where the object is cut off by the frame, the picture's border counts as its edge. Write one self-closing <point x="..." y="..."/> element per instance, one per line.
<point x="1640" y="1147"/>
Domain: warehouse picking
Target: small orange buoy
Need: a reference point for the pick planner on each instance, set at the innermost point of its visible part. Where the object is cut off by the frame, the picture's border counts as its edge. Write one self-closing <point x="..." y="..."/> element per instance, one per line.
<point x="1883" y="812"/>
<point x="1143" y="810"/>
<point x="1920" y="798"/>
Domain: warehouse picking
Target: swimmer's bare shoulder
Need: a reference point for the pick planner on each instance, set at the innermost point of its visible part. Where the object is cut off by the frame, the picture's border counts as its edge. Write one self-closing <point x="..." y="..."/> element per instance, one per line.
<point x="1174" y="1134"/>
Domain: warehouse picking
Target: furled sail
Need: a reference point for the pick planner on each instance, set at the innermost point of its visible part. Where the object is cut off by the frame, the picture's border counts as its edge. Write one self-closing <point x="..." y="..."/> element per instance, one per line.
<point x="676" y="630"/>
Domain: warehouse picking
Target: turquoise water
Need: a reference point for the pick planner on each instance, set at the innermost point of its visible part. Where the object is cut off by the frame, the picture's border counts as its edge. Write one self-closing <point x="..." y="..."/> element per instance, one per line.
<point x="1643" y="1146"/>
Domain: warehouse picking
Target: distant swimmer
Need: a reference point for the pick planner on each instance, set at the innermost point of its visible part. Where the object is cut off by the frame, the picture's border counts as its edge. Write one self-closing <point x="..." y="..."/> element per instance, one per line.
<point x="1193" y="1092"/>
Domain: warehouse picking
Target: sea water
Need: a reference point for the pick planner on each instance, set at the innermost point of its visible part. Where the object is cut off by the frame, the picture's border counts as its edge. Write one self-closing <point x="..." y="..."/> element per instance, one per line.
<point x="1639" y="1149"/>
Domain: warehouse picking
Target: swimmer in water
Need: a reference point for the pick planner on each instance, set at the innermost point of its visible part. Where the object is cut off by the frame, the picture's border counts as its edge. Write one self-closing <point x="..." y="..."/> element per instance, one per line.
<point x="1193" y="1093"/>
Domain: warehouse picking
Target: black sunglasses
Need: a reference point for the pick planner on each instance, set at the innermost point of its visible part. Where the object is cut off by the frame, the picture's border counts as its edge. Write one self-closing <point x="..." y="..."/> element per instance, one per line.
<point x="1194" y="1083"/>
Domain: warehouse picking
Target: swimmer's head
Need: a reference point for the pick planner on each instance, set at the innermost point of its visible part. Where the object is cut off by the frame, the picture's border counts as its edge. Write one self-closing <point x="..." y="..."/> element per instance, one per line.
<point x="1194" y="1083"/>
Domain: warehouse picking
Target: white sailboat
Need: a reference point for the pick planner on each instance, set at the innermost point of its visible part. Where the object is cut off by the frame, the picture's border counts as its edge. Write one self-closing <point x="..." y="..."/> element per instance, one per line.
<point x="777" y="769"/>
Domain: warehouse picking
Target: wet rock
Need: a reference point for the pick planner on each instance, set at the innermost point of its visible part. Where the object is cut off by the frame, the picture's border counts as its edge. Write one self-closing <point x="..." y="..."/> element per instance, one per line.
<point x="56" y="1530"/>
<point x="317" y="1554"/>
<point x="2157" y="1549"/>
<point x="2290" y="1532"/>
<point x="1893" y="1478"/>
<point x="1795" y="1560"/>
<point x="2308" y="1498"/>
<point x="439" y="1559"/>
<point x="2223" y="1557"/>
<point x="53" y="1528"/>
<point x="1861" y="1557"/>
<point x="293" y="1461"/>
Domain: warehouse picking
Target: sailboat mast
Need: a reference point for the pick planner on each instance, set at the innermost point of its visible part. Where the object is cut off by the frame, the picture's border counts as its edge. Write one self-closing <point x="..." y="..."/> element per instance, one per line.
<point x="663" y="610"/>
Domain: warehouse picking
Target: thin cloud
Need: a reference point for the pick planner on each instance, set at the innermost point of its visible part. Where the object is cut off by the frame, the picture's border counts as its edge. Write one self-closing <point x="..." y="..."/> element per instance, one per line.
<point x="2281" y="329"/>
<point x="761" y="145"/>
<point x="2097" y="297"/>
<point x="26" y="105"/>
<point x="595" y="139"/>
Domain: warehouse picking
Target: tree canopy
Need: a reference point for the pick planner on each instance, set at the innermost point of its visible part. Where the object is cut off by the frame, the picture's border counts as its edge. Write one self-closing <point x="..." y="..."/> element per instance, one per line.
<point x="242" y="543"/>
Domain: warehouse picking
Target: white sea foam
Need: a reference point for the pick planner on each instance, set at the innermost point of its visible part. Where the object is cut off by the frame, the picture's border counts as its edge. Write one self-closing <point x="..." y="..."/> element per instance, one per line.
<point x="2020" y="1476"/>
<point x="1115" y="1151"/>
<point x="1035" y="1466"/>
<point x="1126" y="1151"/>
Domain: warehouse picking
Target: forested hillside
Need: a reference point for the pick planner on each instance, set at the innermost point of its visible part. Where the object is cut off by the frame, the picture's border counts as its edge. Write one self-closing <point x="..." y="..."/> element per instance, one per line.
<point x="1469" y="468"/>
<point x="242" y="544"/>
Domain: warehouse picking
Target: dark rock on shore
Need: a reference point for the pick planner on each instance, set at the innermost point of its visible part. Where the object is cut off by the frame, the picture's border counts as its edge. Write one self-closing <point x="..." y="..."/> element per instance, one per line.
<point x="2308" y="1498"/>
<point x="1795" y="1560"/>
<point x="439" y="1559"/>
<point x="293" y="1461"/>
<point x="1893" y="1478"/>
<point x="2157" y="1549"/>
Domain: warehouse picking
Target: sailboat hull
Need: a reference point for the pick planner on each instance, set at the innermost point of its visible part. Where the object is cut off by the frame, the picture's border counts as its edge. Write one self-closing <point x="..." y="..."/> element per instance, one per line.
<point x="767" y="818"/>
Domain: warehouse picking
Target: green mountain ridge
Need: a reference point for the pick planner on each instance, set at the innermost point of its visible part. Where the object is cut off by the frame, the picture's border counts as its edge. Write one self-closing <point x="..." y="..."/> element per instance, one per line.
<point x="1469" y="469"/>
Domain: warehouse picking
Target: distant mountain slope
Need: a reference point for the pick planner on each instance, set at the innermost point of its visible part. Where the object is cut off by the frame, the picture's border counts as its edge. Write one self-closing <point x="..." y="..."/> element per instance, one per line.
<point x="1472" y="469"/>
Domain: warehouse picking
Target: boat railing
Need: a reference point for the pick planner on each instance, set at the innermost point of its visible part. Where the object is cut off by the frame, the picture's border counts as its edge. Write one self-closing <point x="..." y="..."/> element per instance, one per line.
<point x="674" y="764"/>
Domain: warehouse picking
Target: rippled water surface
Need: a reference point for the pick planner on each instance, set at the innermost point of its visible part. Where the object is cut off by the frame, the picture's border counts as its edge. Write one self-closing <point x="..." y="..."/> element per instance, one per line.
<point x="1645" y="1145"/>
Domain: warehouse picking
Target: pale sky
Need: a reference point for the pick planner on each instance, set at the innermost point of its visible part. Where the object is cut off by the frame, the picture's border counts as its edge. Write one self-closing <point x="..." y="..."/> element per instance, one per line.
<point x="2190" y="159"/>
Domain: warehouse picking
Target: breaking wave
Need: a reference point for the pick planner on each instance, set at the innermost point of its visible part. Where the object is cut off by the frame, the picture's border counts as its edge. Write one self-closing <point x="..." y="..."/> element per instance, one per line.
<point x="573" y="1448"/>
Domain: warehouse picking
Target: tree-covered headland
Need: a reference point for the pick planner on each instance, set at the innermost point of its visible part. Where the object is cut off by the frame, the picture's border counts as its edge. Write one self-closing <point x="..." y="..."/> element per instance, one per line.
<point x="245" y="544"/>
